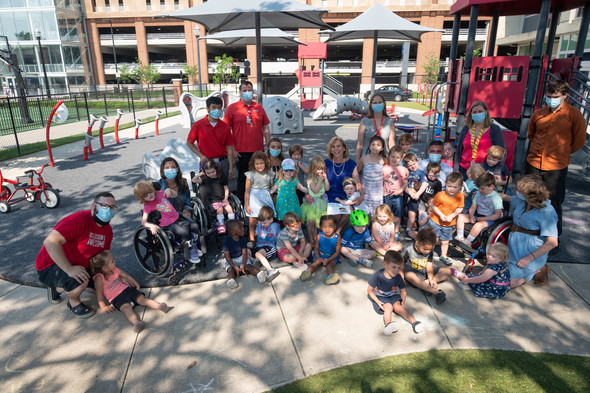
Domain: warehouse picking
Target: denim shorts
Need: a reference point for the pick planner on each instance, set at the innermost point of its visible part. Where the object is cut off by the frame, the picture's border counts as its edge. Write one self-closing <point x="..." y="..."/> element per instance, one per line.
<point x="443" y="233"/>
<point x="384" y="299"/>
<point x="395" y="202"/>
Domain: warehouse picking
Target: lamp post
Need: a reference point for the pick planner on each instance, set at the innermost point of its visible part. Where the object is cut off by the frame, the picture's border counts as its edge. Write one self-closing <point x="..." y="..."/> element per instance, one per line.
<point x="197" y="31"/>
<point x="114" y="54"/>
<point x="37" y="34"/>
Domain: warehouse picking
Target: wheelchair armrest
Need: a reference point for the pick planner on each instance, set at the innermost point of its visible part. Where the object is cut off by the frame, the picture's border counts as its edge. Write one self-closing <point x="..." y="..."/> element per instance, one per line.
<point x="188" y="218"/>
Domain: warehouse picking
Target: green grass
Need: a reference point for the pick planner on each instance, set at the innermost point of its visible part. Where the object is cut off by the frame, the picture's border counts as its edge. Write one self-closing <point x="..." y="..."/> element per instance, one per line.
<point x="7" y="154"/>
<point x="412" y="105"/>
<point x="454" y="371"/>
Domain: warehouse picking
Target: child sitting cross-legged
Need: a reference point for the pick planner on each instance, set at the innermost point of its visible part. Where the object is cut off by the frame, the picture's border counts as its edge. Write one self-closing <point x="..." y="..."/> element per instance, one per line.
<point x="267" y="232"/>
<point x="237" y="261"/>
<point x="419" y="270"/>
<point x="326" y="253"/>
<point x="383" y="231"/>
<point x="387" y="291"/>
<point x="291" y="244"/>
<point x="355" y="238"/>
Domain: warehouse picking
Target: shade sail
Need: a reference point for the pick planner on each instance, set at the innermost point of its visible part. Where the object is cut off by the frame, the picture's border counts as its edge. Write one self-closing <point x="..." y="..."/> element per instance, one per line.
<point x="248" y="37"/>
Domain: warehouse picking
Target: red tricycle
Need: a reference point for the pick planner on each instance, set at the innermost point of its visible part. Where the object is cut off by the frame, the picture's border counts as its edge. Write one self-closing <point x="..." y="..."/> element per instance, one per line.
<point x="33" y="191"/>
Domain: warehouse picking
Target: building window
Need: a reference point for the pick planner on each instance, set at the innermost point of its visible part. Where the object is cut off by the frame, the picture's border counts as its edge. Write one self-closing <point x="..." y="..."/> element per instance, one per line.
<point x="148" y="4"/>
<point x="162" y="5"/>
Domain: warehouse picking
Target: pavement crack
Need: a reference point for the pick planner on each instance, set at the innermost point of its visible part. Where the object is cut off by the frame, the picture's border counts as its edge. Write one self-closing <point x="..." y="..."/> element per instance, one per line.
<point x="440" y="323"/>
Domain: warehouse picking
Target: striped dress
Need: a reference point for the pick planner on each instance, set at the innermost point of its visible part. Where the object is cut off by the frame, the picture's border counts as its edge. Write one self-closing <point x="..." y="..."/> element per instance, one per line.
<point x="373" y="186"/>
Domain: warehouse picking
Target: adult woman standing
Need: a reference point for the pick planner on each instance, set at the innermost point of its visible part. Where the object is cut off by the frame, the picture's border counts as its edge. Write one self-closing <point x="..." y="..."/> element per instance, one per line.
<point x="375" y="123"/>
<point x="171" y="177"/>
<point x="476" y="137"/>
<point x="338" y="168"/>
<point x="533" y="233"/>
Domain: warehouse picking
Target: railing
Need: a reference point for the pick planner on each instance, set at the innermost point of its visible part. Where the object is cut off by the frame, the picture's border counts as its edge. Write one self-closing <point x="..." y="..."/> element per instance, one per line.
<point x="333" y="84"/>
<point x="464" y="31"/>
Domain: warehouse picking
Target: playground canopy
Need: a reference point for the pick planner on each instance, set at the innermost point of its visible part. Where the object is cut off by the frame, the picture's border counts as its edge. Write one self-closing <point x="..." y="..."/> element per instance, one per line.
<point x="272" y="36"/>
<point x="511" y="7"/>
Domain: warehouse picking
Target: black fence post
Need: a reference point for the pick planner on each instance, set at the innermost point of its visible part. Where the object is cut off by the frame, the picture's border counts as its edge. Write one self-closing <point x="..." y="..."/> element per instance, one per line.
<point x="86" y="103"/>
<point x="128" y="103"/>
<point x="40" y="111"/>
<point x="77" y="109"/>
<point x="13" y="124"/>
<point x="147" y="97"/>
<point x="132" y="104"/>
<point x="165" y="102"/>
<point x="106" y="108"/>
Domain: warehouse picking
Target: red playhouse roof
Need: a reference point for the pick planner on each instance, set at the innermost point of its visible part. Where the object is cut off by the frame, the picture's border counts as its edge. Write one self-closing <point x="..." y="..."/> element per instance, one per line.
<point x="511" y="7"/>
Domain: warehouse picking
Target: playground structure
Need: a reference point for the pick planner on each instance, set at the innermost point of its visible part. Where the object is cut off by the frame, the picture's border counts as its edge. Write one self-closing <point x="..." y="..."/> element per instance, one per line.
<point x="119" y="114"/>
<point x="192" y="108"/>
<point x="103" y="121"/>
<point x="89" y="137"/>
<point x="158" y="114"/>
<point x="284" y="115"/>
<point x="138" y="122"/>
<point x="332" y="108"/>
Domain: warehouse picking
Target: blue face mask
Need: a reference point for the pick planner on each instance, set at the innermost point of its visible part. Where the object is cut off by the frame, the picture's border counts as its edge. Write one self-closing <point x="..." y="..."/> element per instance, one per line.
<point x="105" y="214"/>
<point x="170" y="173"/>
<point x="247" y="95"/>
<point x="274" y="152"/>
<point x="378" y="108"/>
<point x="478" y="117"/>
<point x="553" y="102"/>
<point x="434" y="157"/>
<point x="216" y="113"/>
<point x="520" y="196"/>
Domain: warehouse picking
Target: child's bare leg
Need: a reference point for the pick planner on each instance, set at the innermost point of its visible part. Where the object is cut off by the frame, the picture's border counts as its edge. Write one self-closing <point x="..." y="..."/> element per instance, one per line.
<point x="228" y="209"/>
<point x="411" y="220"/>
<point x="421" y="284"/>
<point x="312" y="231"/>
<point x="250" y="269"/>
<point x="345" y="251"/>
<point x="378" y="247"/>
<point x="231" y="273"/>
<point x="442" y="274"/>
<point x="261" y="256"/>
<point x="396" y="246"/>
<point x="400" y="310"/>
<point x="331" y="267"/>
<point x="314" y="266"/>
<point x="477" y="228"/>
<point x="219" y="211"/>
<point x="306" y="252"/>
<point x="129" y="313"/>
<point x="461" y="220"/>
<point x="252" y="221"/>
<point x="444" y="248"/>
<point x="342" y="220"/>
<point x="387" y="311"/>
<point x="149" y="303"/>
<point x="289" y="258"/>
<point x="516" y="282"/>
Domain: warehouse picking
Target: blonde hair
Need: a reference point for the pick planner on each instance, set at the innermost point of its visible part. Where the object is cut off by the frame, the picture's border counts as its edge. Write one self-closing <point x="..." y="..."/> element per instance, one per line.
<point x="499" y="250"/>
<point x="141" y="189"/>
<point x="385" y="210"/>
<point x="405" y="138"/>
<point x="316" y="163"/>
<point x="475" y="171"/>
<point x="534" y="190"/>
<point x="291" y="218"/>
<point x="331" y="143"/>
<point x="99" y="261"/>
<point x="487" y="122"/>
<point x="496" y="153"/>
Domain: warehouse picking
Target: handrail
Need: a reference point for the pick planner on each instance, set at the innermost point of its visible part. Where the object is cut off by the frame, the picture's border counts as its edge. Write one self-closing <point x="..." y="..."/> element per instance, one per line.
<point x="333" y="84"/>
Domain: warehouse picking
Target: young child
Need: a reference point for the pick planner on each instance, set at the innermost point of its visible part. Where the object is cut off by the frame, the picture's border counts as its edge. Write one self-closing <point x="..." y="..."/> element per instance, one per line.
<point x="419" y="269"/>
<point x="494" y="281"/>
<point x="469" y="187"/>
<point x="395" y="181"/>
<point x="371" y="166"/>
<point x="387" y="291"/>
<point x="286" y="184"/>
<point x="326" y="253"/>
<point x="317" y="185"/>
<point x="448" y="156"/>
<point x="217" y="192"/>
<point x="486" y="208"/>
<point x="417" y="184"/>
<point x="495" y="164"/>
<point x="259" y="180"/>
<point x="296" y="154"/>
<point x="275" y="154"/>
<point x="267" y="233"/>
<point x="433" y="186"/>
<point x="355" y="238"/>
<point x="349" y="187"/>
<point x="405" y="141"/>
<point x="383" y="231"/>
<point x="111" y="282"/>
<point x="237" y="261"/>
<point x="291" y="245"/>
<point x="170" y="220"/>
<point x="446" y="206"/>
<point x="422" y="221"/>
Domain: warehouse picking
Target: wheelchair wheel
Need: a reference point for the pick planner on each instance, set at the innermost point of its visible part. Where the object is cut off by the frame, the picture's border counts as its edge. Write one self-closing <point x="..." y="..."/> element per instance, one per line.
<point x="153" y="252"/>
<point x="200" y="215"/>
<point x="238" y="209"/>
<point x="499" y="232"/>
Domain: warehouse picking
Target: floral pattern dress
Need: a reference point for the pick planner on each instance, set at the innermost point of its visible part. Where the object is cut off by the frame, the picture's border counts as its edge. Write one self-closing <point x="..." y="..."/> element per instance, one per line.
<point x="287" y="200"/>
<point x="496" y="287"/>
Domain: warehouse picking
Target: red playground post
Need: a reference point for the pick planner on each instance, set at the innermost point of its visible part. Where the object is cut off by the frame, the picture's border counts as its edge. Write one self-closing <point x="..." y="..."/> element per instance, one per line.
<point x="103" y="120"/>
<point x="59" y="114"/>
<point x="89" y="137"/>
<point x="158" y="114"/>
<point x="119" y="114"/>
<point x="137" y="124"/>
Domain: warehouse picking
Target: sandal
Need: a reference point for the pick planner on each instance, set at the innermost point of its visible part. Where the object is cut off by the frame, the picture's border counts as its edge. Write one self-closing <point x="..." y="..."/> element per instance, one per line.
<point x="81" y="310"/>
<point x="445" y="260"/>
<point x="332" y="279"/>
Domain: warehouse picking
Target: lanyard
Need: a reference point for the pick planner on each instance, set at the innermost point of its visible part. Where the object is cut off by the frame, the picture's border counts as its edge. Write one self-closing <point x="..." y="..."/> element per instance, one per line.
<point x="378" y="131"/>
<point x="249" y="116"/>
<point x="475" y="141"/>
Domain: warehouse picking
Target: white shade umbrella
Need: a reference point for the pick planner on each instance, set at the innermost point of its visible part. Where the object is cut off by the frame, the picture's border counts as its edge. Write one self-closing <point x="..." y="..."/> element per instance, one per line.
<point x="379" y="22"/>
<point x="224" y="15"/>
<point x="248" y="37"/>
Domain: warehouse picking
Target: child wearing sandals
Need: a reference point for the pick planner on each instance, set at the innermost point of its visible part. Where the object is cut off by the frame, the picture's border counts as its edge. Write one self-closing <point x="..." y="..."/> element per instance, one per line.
<point x="387" y="291"/>
<point x="356" y="238"/>
<point x="494" y="281"/>
<point x="267" y="232"/>
<point x="237" y="260"/>
<point x="113" y="283"/>
<point x="291" y="245"/>
<point x="327" y="251"/>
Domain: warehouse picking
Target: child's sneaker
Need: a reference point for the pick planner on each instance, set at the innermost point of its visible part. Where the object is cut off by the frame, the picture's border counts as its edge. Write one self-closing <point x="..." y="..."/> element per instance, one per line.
<point x="446" y="261"/>
<point x="305" y="275"/>
<point x="194" y="258"/>
<point x="221" y="229"/>
<point x="352" y="262"/>
<point x="408" y="237"/>
<point x="272" y="274"/>
<point x="466" y="287"/>
<point x="457" y="274"/>
<point x="397" y="236"/>
<point x="390" y="328"/>
<point x="440" y="297"/>
<point x="231" y="283"/>
<point x="460" y="239"/>
<point x="163" y="307"/>
<point x="366" y="262"/>
<point x="139" y="326"/>
<point x="332" y="279"/>
<point x="417" y="327"/>
<point x="261" y="276"/>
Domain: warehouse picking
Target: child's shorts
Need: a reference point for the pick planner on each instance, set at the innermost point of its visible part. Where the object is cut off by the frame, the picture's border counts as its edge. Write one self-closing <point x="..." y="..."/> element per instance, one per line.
<point x="271" y="252"/>
<point x="421" y="274"/>
<point x="283" y="252"/>
<point x="326" y="256"/>
<point x="385" y="299"/>
<point x="413" y="205"/>
<point x="395" y="202"/>
<point x="490" y="223"/>
<point x="129" y="295"/>
<point x="359" y="252"/>
<point x="238" y="262"/>
<point x="443" y="233"/>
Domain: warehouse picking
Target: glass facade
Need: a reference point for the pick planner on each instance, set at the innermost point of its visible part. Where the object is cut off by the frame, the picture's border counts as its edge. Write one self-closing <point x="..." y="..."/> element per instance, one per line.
<point x="64" y="47"/>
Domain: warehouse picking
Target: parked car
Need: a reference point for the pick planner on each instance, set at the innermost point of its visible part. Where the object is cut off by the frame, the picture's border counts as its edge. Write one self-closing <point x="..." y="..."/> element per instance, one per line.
<point x="392" y="93"/>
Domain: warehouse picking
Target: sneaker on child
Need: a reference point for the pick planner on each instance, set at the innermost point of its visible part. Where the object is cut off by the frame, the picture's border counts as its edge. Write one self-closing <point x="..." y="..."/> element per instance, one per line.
<point x="194" y="258"/>
<point x="221" y="229"/>
<point x="272" y="274"/>
<point x="261" y="276"/>
<point x="366" y="262"/>
<point x="231" y="283"/>
<point x="390" y="328"/>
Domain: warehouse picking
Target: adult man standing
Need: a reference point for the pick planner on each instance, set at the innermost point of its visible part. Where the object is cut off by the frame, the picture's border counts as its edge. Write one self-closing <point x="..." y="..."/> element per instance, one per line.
<point x="64" y="260"/>
<point x="555" y="132"/>
<point x="214" y="138"/>
<point x="250" y="129"/>
<point x="435" y="151"/>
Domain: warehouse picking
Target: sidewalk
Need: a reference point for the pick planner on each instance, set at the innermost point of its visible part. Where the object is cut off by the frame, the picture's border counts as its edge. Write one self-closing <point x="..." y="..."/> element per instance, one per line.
<point x="259" y="337"/>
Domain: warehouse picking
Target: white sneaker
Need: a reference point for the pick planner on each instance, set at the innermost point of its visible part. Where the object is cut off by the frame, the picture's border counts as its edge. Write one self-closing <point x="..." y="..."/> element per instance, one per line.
<point x="194" y="258"/>
<point x="366" y="262"/>
<point x="272" y="274"/>
<point x="261" y="276"/>
<point x="390" y="328"/>
<point x="464" y="286"/>
<point x="231" y="283"/>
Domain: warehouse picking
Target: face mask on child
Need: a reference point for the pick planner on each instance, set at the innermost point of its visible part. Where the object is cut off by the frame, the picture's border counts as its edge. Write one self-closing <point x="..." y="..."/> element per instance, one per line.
<point x="216" y="113"/>
<point x="553" y="102"/>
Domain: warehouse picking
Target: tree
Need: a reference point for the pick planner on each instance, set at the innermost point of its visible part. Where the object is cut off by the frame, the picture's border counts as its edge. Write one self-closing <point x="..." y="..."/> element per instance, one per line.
<point x="431" y="68"/>
<point x="225" y="72"/>
<point x="127" y="73"/>
<point x="192" y="72"/>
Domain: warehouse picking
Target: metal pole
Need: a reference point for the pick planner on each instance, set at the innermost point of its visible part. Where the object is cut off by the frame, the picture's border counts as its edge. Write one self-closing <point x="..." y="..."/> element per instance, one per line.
<point x="114" y="54"/>
<point x="374" y="66"/>
<point x="38" y="34"/>
<point x="405" y="59"/>
<point x="452" y="58"/>
<point x="258" y="58"/>
<point x="493" y="33"/>
<point x="583" y="32"/>
<point x="468" y="61"/>
<point x="552" y="31"/>
<point x="197" y="31"/>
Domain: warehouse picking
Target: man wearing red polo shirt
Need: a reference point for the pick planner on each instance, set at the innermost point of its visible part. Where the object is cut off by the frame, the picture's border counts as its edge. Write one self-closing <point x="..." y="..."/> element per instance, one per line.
<point x="214" y="138"/>
<point x="250" y="129"/>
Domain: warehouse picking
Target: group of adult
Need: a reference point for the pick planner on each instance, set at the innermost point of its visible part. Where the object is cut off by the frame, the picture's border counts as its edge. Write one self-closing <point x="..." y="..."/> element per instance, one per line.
<point x="555" y="131"/>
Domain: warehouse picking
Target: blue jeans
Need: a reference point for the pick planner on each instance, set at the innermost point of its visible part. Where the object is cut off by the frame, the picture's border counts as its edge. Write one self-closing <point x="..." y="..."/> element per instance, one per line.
<point x="395" y="202"/>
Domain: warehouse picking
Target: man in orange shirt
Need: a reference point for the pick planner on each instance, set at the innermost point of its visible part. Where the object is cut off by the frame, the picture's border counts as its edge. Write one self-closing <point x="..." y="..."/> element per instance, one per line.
<point x="249" y="124"/>
<point x="555" y="132"/>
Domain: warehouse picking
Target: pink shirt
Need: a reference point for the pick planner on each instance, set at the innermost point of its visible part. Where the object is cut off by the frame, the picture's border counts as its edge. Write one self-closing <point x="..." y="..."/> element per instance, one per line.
<point x="485" y="143"/>
<point x="393" y="178"/>
<point x="112" y="287"/>
<point x="163" y="205"/>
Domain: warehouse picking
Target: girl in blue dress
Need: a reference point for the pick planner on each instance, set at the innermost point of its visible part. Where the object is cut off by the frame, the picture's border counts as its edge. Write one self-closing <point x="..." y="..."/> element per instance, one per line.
<point x="494" y="281"/>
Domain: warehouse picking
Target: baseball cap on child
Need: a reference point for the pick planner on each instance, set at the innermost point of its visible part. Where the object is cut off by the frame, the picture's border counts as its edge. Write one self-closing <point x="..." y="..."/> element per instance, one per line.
<point x="288" y="164"/>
